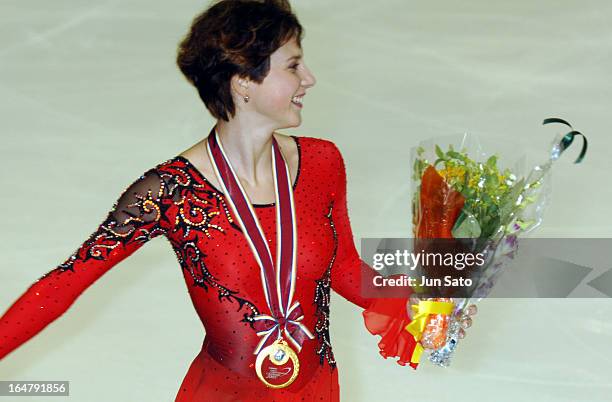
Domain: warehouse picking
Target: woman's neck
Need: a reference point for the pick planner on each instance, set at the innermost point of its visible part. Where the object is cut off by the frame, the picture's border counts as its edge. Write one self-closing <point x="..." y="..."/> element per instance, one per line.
<point x="249" y="149"/>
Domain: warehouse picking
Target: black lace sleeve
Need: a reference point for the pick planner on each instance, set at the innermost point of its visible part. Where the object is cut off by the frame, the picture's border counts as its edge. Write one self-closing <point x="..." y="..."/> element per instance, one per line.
<point x="135" y="218"/>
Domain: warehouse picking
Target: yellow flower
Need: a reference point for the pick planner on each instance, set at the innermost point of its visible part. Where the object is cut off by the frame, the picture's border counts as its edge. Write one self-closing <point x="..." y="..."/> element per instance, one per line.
<point x="473" y="182"/>
<point x="452" y="173"/>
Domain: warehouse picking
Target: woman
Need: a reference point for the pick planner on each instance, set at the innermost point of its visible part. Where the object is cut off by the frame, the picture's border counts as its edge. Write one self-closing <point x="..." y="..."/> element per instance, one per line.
<point x="221" y="204"/>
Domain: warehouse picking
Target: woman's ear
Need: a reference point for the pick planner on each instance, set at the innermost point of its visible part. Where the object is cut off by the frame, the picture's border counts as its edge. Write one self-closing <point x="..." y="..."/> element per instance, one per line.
<point x="240" y="86"/>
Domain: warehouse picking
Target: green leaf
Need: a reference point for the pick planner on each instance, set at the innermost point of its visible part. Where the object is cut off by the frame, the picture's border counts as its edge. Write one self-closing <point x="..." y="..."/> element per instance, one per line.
<point x="460" y="218"/>
<point x="492" y="161"/>
<point x="525" y="224"/>
<point x="437" y="161"/>
<point x="492" y="182"/>
<point x="455" y="155"/>
<point x="439" y="152"/>
<point x="466" y="226"/>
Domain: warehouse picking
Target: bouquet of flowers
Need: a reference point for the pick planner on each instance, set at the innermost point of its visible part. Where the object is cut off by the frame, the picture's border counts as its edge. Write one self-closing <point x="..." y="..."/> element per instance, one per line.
<point x="463" y="196"/>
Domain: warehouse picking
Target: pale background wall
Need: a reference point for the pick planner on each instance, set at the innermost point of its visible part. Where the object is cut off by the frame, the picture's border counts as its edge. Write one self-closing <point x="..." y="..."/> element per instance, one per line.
<point x="90" y="98"/>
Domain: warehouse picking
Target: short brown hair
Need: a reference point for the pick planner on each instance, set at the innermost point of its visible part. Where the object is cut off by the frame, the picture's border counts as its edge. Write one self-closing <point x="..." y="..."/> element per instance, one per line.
<point x="234" y="37"/>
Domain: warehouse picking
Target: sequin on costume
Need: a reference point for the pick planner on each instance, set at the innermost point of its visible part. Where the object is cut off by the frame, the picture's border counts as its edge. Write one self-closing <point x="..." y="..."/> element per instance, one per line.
<point x="174" y="199"/>
<point x="322" y="300"/>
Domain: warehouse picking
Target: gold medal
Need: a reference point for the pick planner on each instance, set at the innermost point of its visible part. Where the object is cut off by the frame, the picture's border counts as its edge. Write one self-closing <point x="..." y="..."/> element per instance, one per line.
<point x="277" y="365"/>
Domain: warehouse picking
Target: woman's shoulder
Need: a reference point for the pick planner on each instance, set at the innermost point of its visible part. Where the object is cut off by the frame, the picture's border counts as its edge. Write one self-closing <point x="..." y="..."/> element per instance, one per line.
<point x="314" y="141"/>
<point x="319" y="147"/>
<point x="178" y="160"/>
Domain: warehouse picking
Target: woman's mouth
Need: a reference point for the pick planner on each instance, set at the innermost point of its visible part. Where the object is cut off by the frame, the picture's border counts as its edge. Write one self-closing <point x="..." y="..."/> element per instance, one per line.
<point x="297" y="100"/>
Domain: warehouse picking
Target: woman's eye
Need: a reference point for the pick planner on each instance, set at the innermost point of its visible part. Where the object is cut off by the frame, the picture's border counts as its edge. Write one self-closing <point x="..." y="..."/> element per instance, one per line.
<point x="294" y="66"/>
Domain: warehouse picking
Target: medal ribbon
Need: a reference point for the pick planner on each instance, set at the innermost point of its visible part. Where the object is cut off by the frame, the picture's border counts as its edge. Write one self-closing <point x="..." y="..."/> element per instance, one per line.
<point x="278" y="284"/>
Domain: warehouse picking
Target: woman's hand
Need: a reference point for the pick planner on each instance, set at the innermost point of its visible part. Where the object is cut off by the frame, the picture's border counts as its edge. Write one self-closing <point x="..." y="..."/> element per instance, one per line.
<point x="465" y="317"/>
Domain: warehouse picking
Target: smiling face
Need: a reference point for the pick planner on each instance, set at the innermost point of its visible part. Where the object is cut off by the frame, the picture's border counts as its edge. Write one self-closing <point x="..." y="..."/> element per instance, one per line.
<point x="277" y="100"/>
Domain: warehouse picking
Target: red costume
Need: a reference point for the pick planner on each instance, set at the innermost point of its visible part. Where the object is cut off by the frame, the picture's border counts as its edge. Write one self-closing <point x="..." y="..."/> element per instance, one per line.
<point x="223" y="279"/>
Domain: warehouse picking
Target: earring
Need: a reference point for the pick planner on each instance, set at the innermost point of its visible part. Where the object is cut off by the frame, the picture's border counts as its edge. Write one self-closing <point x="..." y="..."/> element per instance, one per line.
<point x="246" y="99"/>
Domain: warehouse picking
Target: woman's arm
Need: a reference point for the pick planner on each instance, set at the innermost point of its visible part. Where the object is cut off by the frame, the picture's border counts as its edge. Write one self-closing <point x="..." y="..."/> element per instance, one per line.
<point x="349" y="269"/>
<point x="386" y="317"/>
<point x="135" y="218"/>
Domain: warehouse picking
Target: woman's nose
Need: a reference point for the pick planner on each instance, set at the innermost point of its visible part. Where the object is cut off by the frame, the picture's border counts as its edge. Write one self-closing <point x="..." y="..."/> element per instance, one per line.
<point x="308" y="80"/>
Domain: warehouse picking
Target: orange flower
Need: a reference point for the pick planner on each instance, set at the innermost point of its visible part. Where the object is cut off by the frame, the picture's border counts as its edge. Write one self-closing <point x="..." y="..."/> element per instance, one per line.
<point x="439" y="206"/>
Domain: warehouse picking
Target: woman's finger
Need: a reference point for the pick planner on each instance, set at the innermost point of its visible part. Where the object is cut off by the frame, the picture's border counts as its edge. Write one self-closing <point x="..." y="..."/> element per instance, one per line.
<point x="472" y="309"/>
<point x="466" y="323"/>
